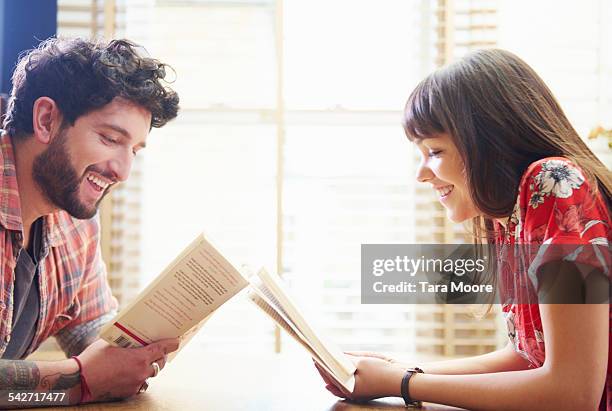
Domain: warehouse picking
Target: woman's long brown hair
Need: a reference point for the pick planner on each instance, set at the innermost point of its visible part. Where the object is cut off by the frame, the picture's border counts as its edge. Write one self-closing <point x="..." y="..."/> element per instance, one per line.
<point x="501" y="117"/>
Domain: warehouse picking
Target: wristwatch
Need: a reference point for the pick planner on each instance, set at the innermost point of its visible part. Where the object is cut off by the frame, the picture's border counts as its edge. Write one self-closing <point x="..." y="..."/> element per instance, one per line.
<point x="404" y="387"/>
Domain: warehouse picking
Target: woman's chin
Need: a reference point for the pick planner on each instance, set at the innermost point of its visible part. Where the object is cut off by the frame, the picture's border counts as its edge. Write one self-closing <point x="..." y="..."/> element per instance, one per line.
<point x="459" y="217"/>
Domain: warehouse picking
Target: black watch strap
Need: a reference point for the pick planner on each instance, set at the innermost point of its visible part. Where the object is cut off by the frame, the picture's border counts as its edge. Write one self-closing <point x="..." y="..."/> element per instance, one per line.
<point x="405" y="387"/>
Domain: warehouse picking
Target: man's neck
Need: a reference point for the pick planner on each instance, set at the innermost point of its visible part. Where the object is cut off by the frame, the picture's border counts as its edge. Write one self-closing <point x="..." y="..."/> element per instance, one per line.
<point x="33" y="202"/>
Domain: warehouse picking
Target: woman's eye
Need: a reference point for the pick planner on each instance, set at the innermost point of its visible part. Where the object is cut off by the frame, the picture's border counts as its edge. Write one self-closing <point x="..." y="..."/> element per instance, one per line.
<point x="434" y="153"/>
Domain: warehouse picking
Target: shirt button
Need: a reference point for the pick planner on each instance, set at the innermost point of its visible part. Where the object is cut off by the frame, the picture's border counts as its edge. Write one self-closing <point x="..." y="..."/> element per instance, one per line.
<point x="7" y="339"/>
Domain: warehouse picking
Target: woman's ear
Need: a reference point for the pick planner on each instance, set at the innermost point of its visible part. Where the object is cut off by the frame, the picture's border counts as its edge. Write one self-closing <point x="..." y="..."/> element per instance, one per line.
<point x="46" y="119"/>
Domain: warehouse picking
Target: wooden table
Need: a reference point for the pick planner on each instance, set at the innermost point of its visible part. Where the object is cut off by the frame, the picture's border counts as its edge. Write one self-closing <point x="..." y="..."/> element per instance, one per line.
<point x="207" y="380"/>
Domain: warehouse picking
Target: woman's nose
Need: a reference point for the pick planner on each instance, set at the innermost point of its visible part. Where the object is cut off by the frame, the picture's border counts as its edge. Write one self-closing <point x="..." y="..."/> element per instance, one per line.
<point x="424" y="173"/>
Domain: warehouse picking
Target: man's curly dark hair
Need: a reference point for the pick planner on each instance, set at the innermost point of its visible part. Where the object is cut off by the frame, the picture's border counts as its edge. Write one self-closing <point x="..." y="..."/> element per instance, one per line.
<point x="82" y="76"/>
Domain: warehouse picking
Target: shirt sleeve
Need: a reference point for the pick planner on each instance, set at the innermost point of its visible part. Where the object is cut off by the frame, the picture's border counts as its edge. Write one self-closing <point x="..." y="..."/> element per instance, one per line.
<point x="96" y="302"/>
<point x="70" y="338"/>
<point x="564" y="218"/>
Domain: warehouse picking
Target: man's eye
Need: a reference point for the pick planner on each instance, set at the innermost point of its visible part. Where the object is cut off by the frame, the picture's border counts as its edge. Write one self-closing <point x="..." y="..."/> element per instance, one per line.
<point x="108" y="139"/>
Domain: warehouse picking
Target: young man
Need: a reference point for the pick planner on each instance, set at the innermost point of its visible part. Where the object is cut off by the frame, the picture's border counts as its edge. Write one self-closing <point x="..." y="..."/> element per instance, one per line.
<point x="78" y="114"/>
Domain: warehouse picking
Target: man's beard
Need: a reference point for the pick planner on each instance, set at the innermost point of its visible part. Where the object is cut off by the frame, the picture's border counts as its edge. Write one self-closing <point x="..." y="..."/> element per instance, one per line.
<point x="58" y="180"/>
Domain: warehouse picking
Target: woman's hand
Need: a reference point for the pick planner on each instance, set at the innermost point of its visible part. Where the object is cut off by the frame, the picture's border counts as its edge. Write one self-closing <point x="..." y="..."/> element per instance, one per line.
<point x="380" y="356"/>
<point x="376" y="376"/>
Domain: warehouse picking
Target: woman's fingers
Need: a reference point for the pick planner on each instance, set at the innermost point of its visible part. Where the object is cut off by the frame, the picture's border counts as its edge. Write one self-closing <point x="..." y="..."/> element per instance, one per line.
<point x="331" y="384"/>
<point x="328" y="380"/>
<point x="368" y="354"/>
<point x="334" y="390"/>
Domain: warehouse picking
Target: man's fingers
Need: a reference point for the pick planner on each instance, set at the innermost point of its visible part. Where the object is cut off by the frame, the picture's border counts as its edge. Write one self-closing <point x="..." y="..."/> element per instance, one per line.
<point x="162" y="361"/>
<point x="162" y="347"/>
<point x="169" y="345"/>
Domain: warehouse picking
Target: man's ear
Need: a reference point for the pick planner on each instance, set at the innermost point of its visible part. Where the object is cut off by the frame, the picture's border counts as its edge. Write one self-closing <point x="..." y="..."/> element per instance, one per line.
<point x="46" y="119"/>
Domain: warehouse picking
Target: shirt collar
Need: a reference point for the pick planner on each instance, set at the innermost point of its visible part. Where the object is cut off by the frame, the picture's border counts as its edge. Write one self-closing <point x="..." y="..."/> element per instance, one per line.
<point x="10" y="204"/>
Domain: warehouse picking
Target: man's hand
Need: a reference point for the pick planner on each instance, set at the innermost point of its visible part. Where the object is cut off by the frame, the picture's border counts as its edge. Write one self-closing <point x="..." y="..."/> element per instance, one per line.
<point x="376" y="376"/>
<point x="115" y="373"/>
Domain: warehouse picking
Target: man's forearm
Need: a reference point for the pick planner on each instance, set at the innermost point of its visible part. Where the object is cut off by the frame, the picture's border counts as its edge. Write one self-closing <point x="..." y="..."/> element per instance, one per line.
<point x="83" y="342"/>
<point x="18" y="376"/>
<point x="75" y="339"/>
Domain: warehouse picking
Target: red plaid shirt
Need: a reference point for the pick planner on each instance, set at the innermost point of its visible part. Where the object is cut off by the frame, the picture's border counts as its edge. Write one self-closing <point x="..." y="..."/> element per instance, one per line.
<point x="74" y="293"/>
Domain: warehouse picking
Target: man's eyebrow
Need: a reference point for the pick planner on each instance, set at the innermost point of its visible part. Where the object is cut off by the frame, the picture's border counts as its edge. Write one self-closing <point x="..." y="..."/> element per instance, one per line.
<point x="123" y="132"/>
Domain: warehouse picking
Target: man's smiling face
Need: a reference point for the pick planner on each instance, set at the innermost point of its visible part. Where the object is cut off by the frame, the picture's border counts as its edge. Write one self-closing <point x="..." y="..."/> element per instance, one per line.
<point x="83" y="161"/>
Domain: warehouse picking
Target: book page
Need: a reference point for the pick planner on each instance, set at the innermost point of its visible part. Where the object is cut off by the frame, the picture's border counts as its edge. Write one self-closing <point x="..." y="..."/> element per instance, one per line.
<point x="263" y="297"/>
<point x="185" y="338"/>
<point x="330" y="357"/>
<point x="258" y="287"/>
<point x="289" y="328"/>
<point x="194" y="285"/>
<point x="280" y="320"/>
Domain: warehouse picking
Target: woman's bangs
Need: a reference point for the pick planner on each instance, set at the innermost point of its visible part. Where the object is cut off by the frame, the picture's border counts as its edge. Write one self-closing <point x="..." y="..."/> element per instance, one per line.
<point x="420" y="120"/>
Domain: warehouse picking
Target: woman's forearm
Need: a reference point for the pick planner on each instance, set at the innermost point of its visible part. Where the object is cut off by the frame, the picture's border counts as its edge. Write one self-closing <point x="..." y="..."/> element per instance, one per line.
<point x="505" y="359"/>
<point x="537" y="389"/>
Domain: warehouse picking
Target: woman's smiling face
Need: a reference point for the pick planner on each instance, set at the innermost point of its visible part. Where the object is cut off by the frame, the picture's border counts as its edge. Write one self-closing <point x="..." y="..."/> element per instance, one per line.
<point x="441" y="166"/>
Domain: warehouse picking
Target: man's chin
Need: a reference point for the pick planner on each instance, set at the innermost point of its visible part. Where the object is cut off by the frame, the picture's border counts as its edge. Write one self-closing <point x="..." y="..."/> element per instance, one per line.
<point x="82" y="214"/>
<point x="81" y="211"/>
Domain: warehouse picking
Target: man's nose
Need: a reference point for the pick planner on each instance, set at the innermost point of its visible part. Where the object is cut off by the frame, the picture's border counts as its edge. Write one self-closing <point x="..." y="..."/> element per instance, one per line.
<point x="122" y="166"/>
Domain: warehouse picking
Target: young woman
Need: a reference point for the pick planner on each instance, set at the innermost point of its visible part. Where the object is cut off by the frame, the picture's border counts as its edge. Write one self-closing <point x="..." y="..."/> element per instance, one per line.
<point x="499" y="150"/>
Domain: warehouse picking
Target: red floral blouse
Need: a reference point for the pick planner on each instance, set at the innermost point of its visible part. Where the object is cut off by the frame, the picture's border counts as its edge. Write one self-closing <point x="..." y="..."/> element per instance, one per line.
<point x="555" y="206"/>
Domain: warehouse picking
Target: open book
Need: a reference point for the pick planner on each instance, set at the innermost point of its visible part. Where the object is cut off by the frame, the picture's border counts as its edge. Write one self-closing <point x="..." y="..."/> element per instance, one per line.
<point x="180" y="300"/>
<point x="268" y="293"/>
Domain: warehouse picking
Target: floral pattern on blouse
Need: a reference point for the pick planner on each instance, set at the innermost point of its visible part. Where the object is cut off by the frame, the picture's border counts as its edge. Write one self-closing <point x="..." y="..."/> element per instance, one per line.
<point x="555" y="206"/>
<point x="556" y="177"/>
